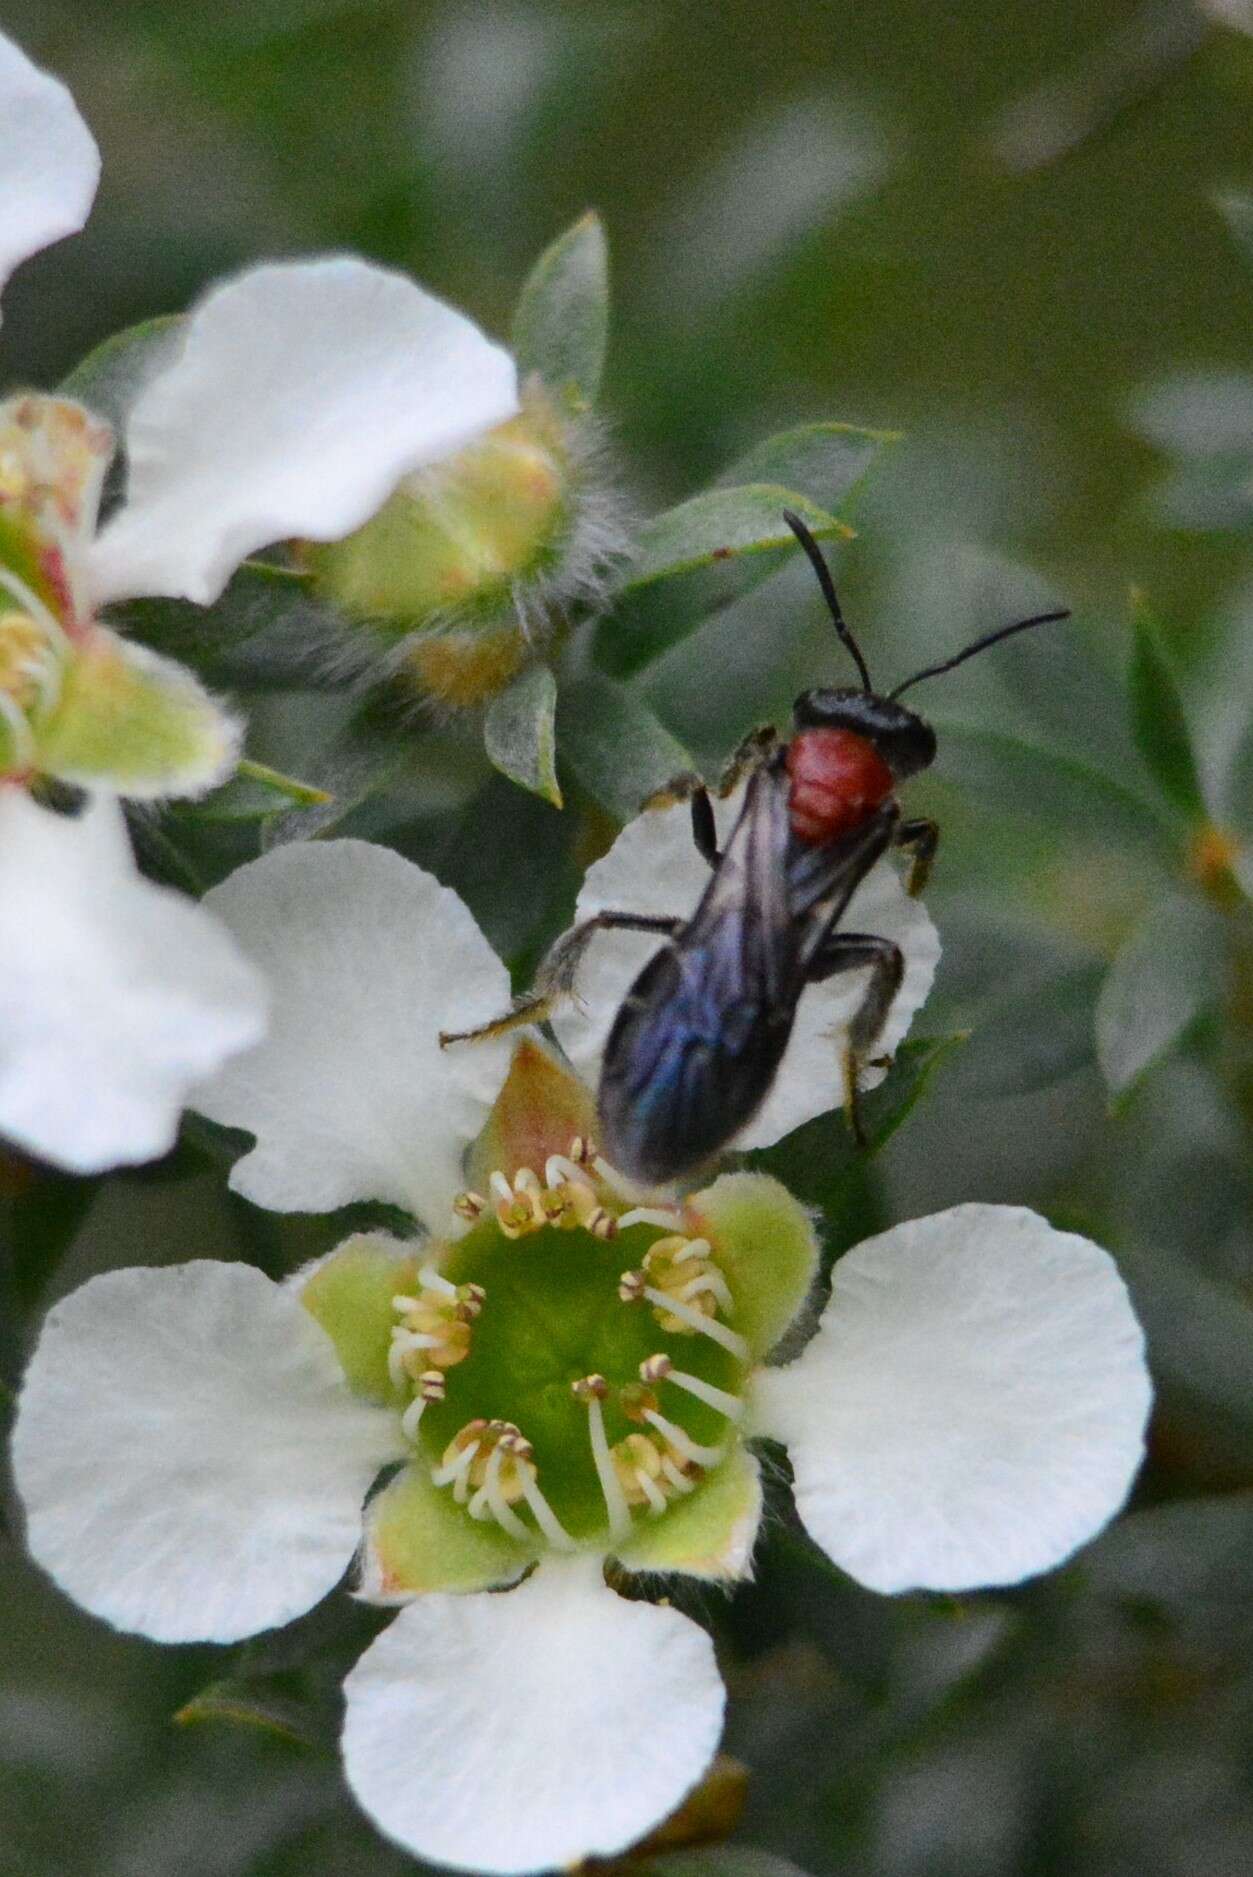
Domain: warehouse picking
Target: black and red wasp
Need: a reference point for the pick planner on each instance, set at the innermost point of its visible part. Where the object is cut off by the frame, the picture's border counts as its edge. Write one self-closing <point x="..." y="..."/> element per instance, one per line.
<point x="700" y="1035"/>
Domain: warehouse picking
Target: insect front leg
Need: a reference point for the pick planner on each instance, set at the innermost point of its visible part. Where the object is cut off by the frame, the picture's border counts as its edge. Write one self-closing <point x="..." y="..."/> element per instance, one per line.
<point x="921" y="837"/>
<point x="748" y="755"/>
<point x="555" y="978"/>
<point x="850" y="951"/>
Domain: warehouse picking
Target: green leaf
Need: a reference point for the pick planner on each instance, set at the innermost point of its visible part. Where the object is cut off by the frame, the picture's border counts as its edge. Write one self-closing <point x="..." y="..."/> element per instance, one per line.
<point x="255" y="790"/>
<point x="519" y="733"/>
<point x="1045" y="785"/>
<point x="815" y="1160"/>
<point x="1038" y="1034"/>
<point x="267" y="628"/>
<point x="720" y="525"/>
<point x="827" y="462"/>
<point x="1157" y="717"/>
<point x="241" y="1703"/>
<point x="561" y="326"/>
<point x="715" y="1860"/>
<point x="1190" y="1562"/>
<point x="370" y="753"/>
<point x="615" y="746"/>
<point x="1163" y="977"/>
<point x="1199" y="1334"/>
<point x="111" y="377"/>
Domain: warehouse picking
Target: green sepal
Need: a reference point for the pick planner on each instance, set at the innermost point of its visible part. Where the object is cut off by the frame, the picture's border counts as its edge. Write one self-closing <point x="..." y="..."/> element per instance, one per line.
<point x="1158" y="722"/>
<point x="135" y="721"/>
<point x="1164" y="976"/>
<point x="519" y="732"/>
<point x="418" y="1539"/>
<point x="350" y="1294"/>
<point x="254" y="791"/>
<point x="720" y="525"/>
<point x="618" y="750"/>
<point x="561" y="326"/>
<point x="764" y="1244"/>
<point x="711" y="1533"/>
<point x="239" y="1702"/>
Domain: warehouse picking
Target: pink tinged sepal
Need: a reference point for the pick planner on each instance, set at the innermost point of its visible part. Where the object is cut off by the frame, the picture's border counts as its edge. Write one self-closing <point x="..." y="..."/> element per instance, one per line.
<point x="541" y="1110"/>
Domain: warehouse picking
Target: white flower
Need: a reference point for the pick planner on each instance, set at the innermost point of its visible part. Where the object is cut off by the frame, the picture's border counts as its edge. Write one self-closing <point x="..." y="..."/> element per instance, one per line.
<point x="971" y="1409"/>
<point x="290" y="403"/>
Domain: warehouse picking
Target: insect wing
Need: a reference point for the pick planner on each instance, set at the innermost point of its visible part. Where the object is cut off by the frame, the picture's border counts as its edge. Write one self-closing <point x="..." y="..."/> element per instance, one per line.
<point x="695" y="1046"/>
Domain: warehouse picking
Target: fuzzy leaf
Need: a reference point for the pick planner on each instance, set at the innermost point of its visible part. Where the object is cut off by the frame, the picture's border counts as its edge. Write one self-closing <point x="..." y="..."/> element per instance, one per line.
<point x="266" y="629"/>
<point x="615" y="746"/>
<point x="720" y="525"/>
<point x="827" y="462"/>
<point x="1157" y="717"/>
<point x="1163" y="977"/>
<point x="519" y="732"/>
<point x="111" y="376"/>
<point x="561" y="326"/>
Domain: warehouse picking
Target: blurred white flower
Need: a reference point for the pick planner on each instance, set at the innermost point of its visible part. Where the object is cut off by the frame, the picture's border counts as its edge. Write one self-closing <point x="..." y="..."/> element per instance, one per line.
<point x="290" y="403"/>
<point x="970" y="1410"/>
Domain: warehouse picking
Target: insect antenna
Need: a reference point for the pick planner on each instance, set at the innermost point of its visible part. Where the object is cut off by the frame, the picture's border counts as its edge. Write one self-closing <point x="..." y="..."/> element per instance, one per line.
<point x="818" y="562"/>
<point x="980" y="645"/>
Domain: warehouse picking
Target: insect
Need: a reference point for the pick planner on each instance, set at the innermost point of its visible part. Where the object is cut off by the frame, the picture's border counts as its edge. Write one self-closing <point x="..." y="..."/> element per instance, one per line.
<point x="697" y="1041"/>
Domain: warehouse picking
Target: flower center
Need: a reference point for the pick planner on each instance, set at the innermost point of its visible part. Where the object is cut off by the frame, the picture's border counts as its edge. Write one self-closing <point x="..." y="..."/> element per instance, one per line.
<point x="553" y="1390"/>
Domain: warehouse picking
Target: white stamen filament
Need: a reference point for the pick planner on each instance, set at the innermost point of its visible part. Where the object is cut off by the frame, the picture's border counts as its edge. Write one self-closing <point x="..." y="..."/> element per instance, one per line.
<point x="610" y="1485"/>
<point x="648" y="1215"/>
<point x="611" y="1177"/>
<point x="678" y="1479"/>
<point x="497" y="1504"/>
<point x="27" y="597"/>
<point x="682" y="1442"/>
<point x="411" y="1416"/>
<point x="697" y="1320"/>
<point x="456" y="1472"/>
<point x="501" y="1187"/>
<point x="718" y="1398"/>
<point x="21" y="732"/>
<point x="557" y="1168"/>
<point x="547" y="1520"/>
<point x="694" y="1248"/>
<point x="651" y="1491"/>
<point x="431" y="1279"/>
<point x="712" y="1283"/>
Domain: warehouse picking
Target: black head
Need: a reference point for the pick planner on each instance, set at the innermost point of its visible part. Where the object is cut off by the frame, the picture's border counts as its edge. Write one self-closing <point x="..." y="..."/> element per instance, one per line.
<point x="905" y="740"/>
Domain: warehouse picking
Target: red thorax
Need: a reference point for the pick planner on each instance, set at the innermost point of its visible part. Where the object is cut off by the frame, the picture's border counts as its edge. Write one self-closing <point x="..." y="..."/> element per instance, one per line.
<point x="838" y="778"/>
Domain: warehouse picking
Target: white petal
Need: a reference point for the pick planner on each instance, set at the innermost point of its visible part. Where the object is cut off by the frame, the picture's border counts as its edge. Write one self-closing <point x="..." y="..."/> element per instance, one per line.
<point x="49" y="164"/>
<point x="192" y="1463"/>
<point x="530" y="1728"/>
<point x="350" y="1096"/>
<point x="653" y="867"/>
<point x="973" y="1406"/>
<point x="115" y="995"/>
<point x="303" y="393"/>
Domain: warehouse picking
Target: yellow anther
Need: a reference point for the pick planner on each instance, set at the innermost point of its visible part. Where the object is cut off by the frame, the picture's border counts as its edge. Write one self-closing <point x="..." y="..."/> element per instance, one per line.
<point x="469" y="1206"/>
<point x="631" y="1286"/>
<point x="25" y="652"/>
<point x="589" y="1388"/>
<point x="470" y="1301"/>
<point x="431" y="1385"/>
<point x="682" y="1268"/>
<point x="636" y="1461"/>
<point x="463" y="1438"/>
<point x="656" y="1368"/>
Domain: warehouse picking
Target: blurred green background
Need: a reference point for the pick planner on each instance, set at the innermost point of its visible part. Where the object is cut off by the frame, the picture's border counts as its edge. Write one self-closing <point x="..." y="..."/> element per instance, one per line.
<point x="995" y="229"/>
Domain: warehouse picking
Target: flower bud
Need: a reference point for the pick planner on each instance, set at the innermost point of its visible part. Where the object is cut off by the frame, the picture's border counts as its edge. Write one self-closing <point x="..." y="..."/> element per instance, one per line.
<point x="474" y="560"/>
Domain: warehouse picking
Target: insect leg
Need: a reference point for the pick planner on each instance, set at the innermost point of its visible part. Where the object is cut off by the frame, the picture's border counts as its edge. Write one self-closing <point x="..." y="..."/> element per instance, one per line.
<point x="756" y="747"/>
<point x="555" y="978"/>
<point x="689" y="787"/>
<point x="849" y="951"/>
<point x="921" y="838"/>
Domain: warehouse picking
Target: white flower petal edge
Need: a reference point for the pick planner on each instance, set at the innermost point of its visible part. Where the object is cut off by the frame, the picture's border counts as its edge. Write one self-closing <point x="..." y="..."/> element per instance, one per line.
<point x="532" y="1728"/>
<point x="115" y="995"/>
<point x="302" y="394"/>
<point x="972" y="1408"/>
<point x="192" y="1464"/>
<point x="653" y="867"/>
<point x="49" y="163"/>
<point x="350" y="1096"/>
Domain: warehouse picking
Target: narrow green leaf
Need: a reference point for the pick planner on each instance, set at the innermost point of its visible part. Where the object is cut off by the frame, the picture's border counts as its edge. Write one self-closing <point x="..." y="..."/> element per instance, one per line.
<point x="561" y="326"/>
<point x="1045" y="785"/>
<point x="827" y="462"/>
<point x="243" y="1704"/>
<point x="1039" y="1034"/>
<point x="370" y="754"/>
<point x="1199" y="1334"/>
<point x="255" y="790"/>
<point x="1158" y="722"/>
<point x="111" y="377"/>
<point x="1163" y="977"/>
<point x="720" y="525"/>
<point x="519" y="732"/>
<point x="614" y="744"/>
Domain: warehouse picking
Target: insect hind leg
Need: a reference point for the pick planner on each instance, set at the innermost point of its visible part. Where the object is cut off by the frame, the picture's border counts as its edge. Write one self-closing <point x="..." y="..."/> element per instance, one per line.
<point x="850" y="951"/>
<point x="554" y="981"/>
